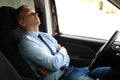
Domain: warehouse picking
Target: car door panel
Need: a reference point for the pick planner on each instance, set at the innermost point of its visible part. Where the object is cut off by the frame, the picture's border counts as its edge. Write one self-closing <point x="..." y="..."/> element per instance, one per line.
<point x="81" y="50"/>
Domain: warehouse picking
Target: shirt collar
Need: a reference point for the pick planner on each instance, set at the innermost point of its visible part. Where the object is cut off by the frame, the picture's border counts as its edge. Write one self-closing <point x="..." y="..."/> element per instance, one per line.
<point x="33" y="34"/>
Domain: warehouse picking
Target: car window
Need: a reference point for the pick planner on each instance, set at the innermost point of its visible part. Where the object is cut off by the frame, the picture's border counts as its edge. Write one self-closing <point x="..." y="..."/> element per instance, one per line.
<point x="17" y="3"/>
<point x="88" y="18"/>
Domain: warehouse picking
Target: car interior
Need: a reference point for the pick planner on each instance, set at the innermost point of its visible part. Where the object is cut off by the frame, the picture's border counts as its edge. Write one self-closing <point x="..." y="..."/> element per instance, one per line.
<point x="83" y="51"/>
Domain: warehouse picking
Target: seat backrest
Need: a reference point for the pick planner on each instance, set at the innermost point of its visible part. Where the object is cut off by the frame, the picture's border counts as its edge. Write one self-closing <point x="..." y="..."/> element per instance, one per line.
<point x="7" y="18"/>
<point x="7" y="71"/>
<point x="9" y="38"/>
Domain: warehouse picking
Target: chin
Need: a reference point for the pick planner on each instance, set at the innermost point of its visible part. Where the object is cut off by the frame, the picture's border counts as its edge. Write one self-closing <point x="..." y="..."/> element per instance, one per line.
<point x="39" y="22"/>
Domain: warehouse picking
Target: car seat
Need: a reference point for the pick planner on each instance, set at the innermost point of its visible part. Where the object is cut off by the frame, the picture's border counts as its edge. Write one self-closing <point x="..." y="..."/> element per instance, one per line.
<point x="7" y="71"/>
<point x="10" y="35"/>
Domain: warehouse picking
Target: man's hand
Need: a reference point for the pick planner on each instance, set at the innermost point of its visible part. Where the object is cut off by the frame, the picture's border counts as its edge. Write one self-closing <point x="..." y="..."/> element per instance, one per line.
<point x="62" y="48"/>
<point x="43" y="71"/>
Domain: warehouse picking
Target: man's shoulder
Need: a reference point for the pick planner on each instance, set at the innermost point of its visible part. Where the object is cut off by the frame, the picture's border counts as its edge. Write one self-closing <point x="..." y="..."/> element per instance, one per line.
<point x="26" y="38"/>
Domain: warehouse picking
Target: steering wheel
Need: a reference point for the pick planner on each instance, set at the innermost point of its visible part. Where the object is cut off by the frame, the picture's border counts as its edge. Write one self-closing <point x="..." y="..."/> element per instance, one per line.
<point x="100" y="52"/>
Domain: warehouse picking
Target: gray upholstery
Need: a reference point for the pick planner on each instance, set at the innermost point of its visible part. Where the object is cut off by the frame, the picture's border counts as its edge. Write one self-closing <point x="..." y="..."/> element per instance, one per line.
<point x="9" y="38"/>
<point x="7" y="71"/>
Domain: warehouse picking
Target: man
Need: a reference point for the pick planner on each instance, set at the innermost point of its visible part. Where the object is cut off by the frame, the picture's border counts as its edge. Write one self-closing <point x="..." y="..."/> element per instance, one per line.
<point x="47" y="59"/>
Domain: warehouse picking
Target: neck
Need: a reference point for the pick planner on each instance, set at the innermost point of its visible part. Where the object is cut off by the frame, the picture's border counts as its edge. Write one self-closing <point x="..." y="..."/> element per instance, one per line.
<point x="33" y="28"/>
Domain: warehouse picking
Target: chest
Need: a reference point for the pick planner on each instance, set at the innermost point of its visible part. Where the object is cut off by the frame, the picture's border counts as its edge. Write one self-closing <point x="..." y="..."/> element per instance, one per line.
<point x="48" y="45"/>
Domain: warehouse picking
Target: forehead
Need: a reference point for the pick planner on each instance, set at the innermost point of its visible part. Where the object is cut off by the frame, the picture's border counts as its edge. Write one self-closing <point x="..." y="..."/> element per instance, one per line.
<point x="25" y="10"/>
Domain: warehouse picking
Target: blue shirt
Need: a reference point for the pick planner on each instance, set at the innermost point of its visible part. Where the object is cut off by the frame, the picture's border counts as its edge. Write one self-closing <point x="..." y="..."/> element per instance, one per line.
<point x="36" y="53"/>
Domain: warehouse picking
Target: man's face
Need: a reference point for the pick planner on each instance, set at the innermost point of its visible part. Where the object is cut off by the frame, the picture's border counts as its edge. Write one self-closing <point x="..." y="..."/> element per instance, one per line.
<point x="29" y="17"/>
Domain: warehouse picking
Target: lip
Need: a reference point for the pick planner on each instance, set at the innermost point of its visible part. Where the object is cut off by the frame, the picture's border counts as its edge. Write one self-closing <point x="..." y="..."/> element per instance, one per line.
<point x="36" y="19"/>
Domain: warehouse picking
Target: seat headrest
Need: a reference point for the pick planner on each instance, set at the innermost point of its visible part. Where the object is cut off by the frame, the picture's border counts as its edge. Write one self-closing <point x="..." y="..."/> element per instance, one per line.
<point x="7" y="18"/>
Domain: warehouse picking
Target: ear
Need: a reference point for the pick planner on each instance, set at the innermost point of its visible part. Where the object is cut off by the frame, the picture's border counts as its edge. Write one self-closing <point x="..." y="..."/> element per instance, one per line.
<point x="21" y="23"/>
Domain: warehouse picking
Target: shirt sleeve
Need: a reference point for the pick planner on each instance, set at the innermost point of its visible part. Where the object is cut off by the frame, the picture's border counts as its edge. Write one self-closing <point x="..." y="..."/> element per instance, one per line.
<point x="35" y="53"/>
<point x="55" y="44"/>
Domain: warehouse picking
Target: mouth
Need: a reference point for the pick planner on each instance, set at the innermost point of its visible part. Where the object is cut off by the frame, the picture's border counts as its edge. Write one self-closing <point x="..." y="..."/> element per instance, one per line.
<point x="37" y="19"/>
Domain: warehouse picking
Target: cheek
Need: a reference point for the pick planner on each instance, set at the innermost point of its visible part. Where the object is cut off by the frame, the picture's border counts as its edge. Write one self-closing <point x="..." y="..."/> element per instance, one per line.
<point x="29" y="19"/>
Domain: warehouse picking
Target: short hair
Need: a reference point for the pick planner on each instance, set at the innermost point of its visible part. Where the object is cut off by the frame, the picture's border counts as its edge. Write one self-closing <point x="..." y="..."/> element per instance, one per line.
<point x="18" y="13"/>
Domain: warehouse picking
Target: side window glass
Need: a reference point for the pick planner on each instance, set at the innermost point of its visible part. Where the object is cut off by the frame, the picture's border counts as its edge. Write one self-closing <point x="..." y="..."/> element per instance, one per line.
<point x="88" y="18"/>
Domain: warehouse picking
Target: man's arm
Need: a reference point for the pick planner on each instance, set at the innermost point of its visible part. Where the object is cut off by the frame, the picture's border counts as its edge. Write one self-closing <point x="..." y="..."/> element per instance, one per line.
<point x="41" y="57"/>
